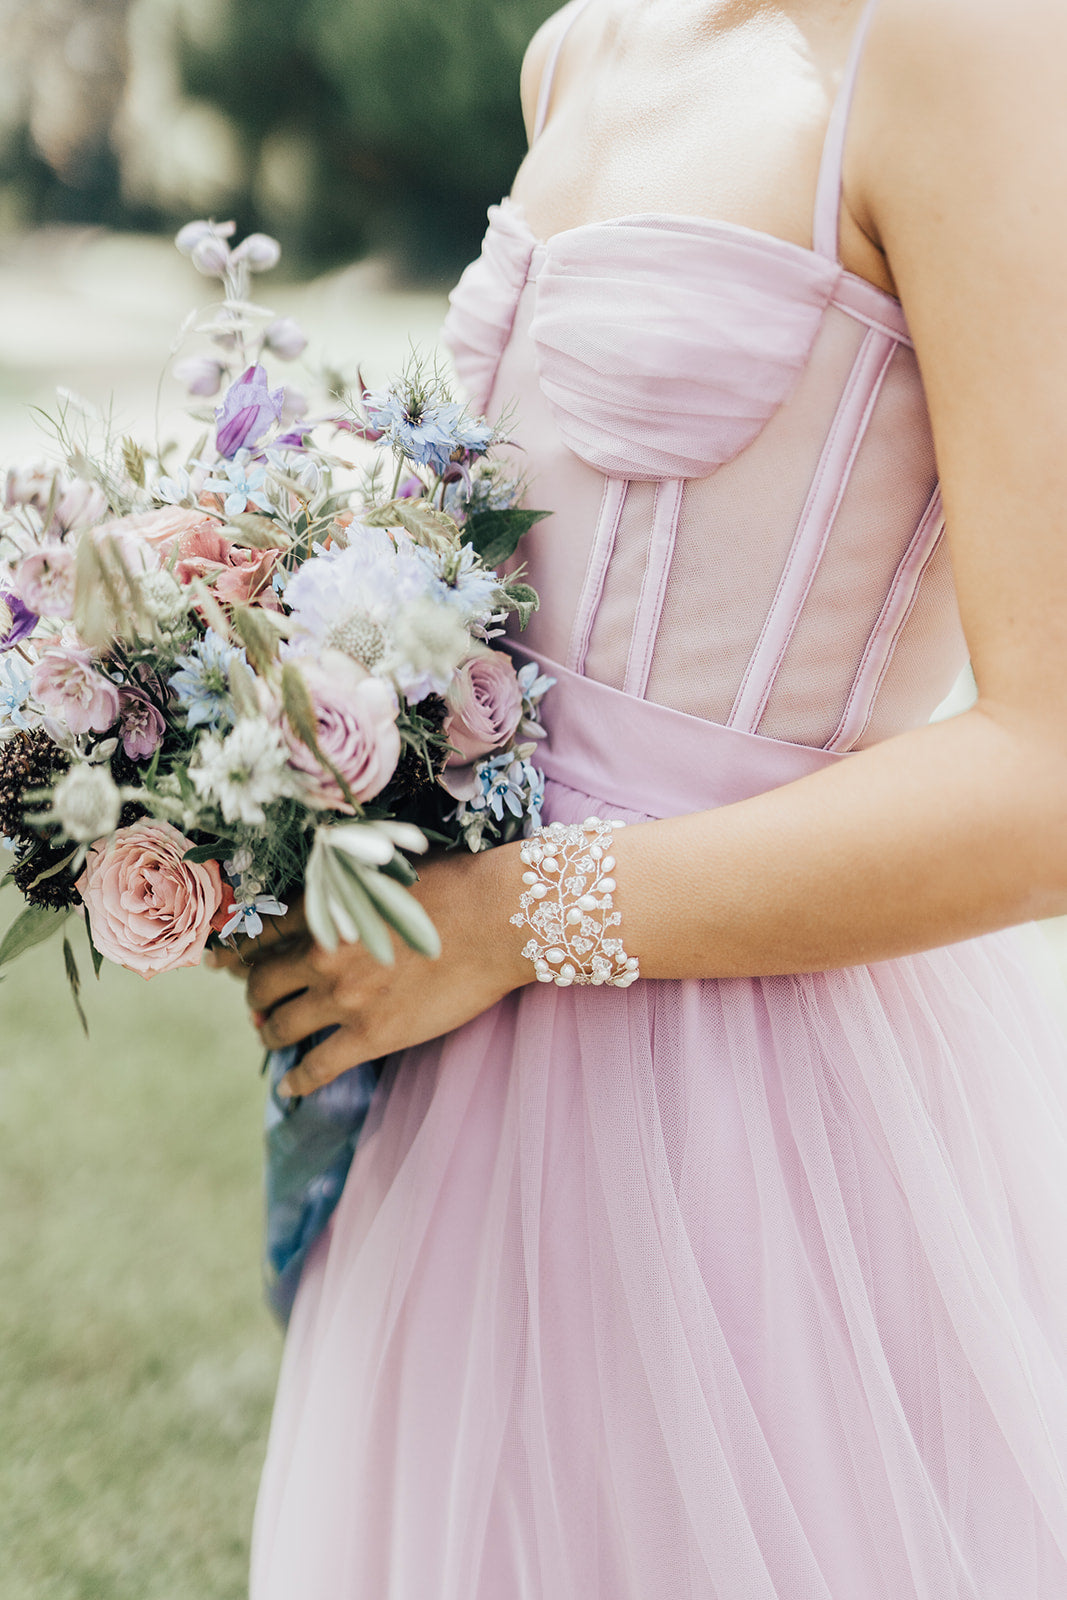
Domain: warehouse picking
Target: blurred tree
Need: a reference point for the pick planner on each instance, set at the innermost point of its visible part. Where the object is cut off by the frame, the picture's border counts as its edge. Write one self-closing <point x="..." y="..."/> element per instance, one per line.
<point x="340" y="125"/>
<point x="393" y="124"/>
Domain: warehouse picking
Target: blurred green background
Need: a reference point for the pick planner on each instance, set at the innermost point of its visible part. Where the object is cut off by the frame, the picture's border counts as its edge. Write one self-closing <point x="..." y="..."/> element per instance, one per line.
<point x="137" y="1360"/>
<point x="341" y="126"/>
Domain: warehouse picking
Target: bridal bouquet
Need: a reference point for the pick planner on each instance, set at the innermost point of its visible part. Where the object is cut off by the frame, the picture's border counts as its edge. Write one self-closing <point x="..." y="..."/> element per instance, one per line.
<point x="261" y="666"/>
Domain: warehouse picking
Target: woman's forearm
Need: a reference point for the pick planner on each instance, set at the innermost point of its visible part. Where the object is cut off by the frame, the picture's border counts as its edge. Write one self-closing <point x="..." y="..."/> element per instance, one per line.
<point x="933" y="837"/>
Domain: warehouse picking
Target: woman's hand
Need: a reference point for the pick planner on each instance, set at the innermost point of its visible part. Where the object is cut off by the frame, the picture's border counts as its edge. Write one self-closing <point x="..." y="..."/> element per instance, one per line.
<point x="296" y="988"/>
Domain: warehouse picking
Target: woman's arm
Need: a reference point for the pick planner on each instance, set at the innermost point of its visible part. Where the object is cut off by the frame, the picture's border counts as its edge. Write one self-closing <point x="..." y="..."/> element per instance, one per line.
<point x="958" y="171"/>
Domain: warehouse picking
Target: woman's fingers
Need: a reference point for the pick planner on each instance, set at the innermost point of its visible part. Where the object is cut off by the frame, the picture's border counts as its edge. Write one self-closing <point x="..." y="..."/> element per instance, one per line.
<point x="294" y="1020"/>
<point x="342" y="1050"/>
<point x="275" y="978"/>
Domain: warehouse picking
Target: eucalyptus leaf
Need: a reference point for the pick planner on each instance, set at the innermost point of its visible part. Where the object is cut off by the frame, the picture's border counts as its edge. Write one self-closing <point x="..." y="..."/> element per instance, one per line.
<point x="32" y="927"/>
<point x="403" y="912"/>
<point x="495" y="535"/>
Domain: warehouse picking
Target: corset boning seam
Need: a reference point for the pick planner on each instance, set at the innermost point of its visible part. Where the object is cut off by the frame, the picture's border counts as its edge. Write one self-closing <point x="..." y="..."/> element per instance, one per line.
<point x="665" y="513"/>
<point x="888" y="630"/>
<point x="832" y="477"/>
<point x="612" y="505"/>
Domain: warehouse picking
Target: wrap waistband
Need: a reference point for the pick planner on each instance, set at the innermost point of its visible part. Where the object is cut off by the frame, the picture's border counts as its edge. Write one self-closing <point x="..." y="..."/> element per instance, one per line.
<point x="649" y="758"/>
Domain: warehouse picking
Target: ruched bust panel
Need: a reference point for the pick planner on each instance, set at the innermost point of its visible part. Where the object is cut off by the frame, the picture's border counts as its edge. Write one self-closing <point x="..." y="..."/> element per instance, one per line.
<point x="664" y="346"/>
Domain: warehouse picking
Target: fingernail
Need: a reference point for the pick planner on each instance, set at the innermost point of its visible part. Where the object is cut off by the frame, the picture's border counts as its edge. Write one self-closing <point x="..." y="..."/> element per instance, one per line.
<point x="258" y="1018"/>
<point x="285" y="1090"/>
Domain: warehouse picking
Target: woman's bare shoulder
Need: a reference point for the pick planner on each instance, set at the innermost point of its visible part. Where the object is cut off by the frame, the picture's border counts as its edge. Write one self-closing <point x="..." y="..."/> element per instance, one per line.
<point x="537" y="58"/>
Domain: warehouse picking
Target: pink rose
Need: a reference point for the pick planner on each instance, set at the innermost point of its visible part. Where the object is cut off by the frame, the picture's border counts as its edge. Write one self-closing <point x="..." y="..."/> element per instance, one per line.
<point x="149" y="909"/>
<point x="45" y="580"/>
<point x="355" y="717"/>
<point x="74" y="692"/>
<point x="237" y="576"/>
<point x="485" y="707"/>
<point x="160" y="529"/>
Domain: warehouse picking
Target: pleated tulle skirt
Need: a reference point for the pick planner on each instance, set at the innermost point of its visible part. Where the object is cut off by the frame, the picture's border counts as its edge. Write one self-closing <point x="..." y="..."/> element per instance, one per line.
<point x="743" y="1290"/>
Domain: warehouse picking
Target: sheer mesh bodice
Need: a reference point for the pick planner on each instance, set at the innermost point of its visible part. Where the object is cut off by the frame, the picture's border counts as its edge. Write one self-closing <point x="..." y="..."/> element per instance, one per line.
<point x="732" y="436"/>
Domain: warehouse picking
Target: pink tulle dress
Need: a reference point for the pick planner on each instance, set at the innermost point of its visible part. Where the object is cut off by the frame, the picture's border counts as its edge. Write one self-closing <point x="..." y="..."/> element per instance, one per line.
<point x="741" y="1290"/>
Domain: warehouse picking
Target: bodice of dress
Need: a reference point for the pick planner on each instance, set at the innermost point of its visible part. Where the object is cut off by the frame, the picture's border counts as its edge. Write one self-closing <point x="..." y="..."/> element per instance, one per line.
<point x="731" y="436"/>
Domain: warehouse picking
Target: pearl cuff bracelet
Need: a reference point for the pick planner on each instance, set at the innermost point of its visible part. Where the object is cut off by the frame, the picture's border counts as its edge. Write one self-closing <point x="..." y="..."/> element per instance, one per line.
<point x="568" y="906"/>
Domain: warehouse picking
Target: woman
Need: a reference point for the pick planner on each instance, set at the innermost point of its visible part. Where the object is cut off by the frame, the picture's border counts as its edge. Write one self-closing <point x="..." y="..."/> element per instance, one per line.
<point x="747" y="1280"/>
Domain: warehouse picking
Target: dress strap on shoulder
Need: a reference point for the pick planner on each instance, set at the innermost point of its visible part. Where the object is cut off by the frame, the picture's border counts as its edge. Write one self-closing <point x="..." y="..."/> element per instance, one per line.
<point x="548" y="78"/>
<point x="831" y="174"/>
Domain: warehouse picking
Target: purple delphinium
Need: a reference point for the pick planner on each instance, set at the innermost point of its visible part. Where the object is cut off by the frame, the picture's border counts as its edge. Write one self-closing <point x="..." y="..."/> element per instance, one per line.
<point x="17" y="621"/>
<point x="249" y="408"/>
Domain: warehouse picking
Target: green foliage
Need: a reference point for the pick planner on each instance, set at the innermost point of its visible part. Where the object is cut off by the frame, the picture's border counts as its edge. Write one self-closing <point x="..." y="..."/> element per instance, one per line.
<point x="406" y="117"/>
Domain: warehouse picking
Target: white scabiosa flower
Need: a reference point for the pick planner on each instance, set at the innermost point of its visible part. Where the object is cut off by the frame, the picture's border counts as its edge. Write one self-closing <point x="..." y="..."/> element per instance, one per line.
<point x="379" y="602"/>
<point x="86" y="803"/>
<point x="244" y="772"/>
<point x="429" y="642"/>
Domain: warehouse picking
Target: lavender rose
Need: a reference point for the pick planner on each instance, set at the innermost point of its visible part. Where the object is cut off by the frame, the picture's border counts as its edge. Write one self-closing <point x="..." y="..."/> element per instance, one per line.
<point x="74" y="692"/>
<point x="355" y="717"/>
<point x="485" y="707"/>
<point x="150" y="910"/>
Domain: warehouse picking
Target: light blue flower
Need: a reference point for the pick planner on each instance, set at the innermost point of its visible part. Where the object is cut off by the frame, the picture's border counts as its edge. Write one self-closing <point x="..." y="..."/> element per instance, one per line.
<point x="247" y="915"/>
<point x="201" y="684"/>
<point x="507" y="784"/>
<point x="14" y="692"/>
<point x="426" y="430"/>
<point x="534" y="685"/>
<point x="241" y="485"/>
<point x="179" y="491"/>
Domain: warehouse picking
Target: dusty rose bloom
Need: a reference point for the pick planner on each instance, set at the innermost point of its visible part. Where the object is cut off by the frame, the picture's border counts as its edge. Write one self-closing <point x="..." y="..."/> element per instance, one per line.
<point x="355" y="716"/>
<point x="74" y="691"/>
<point x="160" y="529"/>
<point x="485" y="707"/>
<point x="149" y="909"/>
<point x="237" y="576"/>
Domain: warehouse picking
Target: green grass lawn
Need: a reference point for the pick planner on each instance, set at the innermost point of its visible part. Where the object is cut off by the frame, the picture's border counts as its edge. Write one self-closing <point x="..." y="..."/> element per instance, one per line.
<point x="136" y="1358"/>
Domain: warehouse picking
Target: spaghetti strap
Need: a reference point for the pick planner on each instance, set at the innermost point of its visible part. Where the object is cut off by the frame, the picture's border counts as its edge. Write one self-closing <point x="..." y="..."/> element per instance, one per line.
<point x="548" y="79"/>
<point x="825" y="241"/>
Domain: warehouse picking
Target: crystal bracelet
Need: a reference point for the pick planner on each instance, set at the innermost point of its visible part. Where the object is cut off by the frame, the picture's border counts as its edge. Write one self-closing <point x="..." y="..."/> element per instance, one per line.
<point x="568" y="906"/>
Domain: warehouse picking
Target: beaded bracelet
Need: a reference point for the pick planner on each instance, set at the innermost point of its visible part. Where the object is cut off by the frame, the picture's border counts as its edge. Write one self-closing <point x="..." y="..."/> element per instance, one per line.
<point x="568" y="906"/>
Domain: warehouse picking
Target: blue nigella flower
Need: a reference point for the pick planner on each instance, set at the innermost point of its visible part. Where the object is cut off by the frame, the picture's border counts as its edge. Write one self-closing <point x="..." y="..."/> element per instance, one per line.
<point x="425" y="431"/>
<point x="241" y="485"/>
<point x="201" y="684"/>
